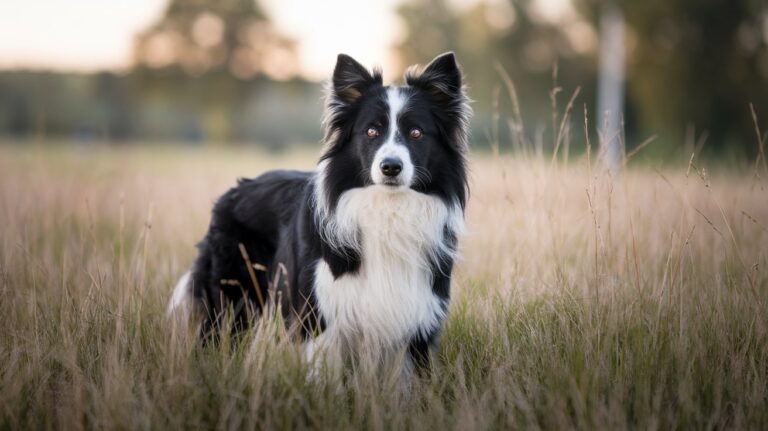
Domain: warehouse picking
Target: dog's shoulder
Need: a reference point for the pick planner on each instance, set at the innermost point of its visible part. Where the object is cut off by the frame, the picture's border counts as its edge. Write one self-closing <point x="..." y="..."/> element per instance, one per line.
<point x="268" y="198"/>
<point x="275" y="180"/>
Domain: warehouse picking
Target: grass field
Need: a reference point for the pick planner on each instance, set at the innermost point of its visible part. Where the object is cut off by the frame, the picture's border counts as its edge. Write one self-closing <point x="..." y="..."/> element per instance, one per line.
<point x="580" y="302"/>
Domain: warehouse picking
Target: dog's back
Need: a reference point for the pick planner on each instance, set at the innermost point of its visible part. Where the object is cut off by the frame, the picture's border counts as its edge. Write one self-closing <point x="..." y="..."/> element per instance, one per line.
<point x="245" y="230"/>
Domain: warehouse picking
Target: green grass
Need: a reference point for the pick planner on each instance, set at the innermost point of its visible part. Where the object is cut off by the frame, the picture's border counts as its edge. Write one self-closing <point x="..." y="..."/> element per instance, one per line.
<point x="579" y="302"/>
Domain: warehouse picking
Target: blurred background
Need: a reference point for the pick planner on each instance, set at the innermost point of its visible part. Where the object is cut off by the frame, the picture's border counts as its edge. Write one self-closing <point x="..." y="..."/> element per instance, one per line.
<point x="250" y="72"/>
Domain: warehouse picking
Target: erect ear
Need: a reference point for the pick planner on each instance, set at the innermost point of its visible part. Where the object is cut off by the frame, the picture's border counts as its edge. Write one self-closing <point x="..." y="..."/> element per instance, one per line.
<point x="441" y="78"/>
<point x="351" y="79"/>
<point x="442" y="81"/>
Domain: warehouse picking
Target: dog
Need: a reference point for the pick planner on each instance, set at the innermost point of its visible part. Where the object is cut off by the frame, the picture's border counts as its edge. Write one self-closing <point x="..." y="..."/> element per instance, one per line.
<point x="358" y="252"/>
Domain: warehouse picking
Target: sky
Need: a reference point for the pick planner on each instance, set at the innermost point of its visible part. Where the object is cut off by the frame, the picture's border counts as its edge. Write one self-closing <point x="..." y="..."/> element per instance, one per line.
<point x="90" y="35"/>
<point x="83" y="35"/>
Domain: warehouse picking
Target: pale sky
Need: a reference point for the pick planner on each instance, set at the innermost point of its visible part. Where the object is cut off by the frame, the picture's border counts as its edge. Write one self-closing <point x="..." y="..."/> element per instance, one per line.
<point x="72" y="34"/>
<point x="89" y="35"/>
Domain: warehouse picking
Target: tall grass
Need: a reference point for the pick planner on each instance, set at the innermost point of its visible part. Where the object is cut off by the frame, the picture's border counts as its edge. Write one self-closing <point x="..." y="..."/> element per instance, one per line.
<point x="581" y="301"/>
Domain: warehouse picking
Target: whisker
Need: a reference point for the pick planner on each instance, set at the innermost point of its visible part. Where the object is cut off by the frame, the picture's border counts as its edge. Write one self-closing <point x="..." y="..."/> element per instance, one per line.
<point x="422" y="175"/>
<point x="364" y="174"/>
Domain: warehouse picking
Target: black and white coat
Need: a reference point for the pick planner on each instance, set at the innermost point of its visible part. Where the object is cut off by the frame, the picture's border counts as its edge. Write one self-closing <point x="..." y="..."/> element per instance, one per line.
<point x="360" y="251"/>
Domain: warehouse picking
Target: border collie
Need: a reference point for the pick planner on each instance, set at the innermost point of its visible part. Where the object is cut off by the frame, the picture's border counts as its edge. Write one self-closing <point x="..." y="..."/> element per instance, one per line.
<point x="358" y="252"/>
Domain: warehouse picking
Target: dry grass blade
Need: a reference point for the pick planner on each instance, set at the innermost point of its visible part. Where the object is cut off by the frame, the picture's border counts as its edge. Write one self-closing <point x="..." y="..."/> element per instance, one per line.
<point x="563" y="122"/>
<point x="588" y="143"/>
<point x="250" y="265"/>
<point x="145" y="249"/>
<point x="709" y="222"/>
<point x="638" y="149"/>
<point x="518" y="127"/>
<point x="556" y="89"/>
<point x="760" y="142"/>
<point x="750" y="280"/>
<point x="754" y="220"/>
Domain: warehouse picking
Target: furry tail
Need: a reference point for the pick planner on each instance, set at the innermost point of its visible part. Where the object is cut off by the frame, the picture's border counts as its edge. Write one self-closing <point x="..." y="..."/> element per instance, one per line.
<point x="181" y="303"/>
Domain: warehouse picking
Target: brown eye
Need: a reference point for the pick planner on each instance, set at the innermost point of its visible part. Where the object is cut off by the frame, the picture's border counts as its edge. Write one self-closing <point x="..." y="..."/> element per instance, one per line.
<point x="416" y="133"/>
<point x="372" y="132"/>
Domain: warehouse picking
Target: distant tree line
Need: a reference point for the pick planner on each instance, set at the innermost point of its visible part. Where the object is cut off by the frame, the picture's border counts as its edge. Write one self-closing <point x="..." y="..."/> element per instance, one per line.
<point x="106" y="107"/>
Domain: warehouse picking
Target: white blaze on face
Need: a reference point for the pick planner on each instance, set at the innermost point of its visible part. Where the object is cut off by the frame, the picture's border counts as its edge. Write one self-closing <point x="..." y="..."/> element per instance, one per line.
<point x="392" y="147"/>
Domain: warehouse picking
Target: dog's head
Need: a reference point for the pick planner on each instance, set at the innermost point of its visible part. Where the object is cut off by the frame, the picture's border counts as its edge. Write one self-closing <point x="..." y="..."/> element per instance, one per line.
<point x="400" y="137"/>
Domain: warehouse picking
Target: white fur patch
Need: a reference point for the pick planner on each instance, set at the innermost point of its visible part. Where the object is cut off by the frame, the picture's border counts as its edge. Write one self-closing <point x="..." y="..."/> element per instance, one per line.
<point x="320" y="199"/>
<point x="326" y="225"/>
<point x="181" y="304"/>
<point x="392" y="148"/>
<point x="398" y="233"/>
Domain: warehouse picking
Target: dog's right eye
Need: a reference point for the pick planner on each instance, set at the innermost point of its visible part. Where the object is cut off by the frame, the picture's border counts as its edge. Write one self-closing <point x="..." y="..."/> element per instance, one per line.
<point x="372" y="132"/>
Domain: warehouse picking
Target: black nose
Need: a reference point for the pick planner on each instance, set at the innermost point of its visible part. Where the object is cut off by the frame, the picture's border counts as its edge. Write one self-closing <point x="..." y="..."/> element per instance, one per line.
<point x="391" y="166"/>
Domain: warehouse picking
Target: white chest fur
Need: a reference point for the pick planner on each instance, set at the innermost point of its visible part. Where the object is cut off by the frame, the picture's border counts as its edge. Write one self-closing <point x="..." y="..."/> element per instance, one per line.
<point x="397" y="234"/>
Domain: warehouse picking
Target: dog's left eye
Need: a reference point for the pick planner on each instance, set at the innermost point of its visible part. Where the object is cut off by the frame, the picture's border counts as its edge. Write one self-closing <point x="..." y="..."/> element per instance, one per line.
<point x="372" y="132"/>
<point x="416" y="133"/>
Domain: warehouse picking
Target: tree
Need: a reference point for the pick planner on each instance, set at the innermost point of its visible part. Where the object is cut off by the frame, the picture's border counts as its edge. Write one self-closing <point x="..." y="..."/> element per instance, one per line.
<point x="201" y="37"/>
<point x="508" y="33"/>
<point x="695" y="62"/>
<point x="203" y="61"/>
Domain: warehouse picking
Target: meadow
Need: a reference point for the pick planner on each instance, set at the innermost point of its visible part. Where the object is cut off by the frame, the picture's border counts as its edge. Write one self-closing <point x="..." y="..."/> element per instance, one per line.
<point x="582" y="301"/>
